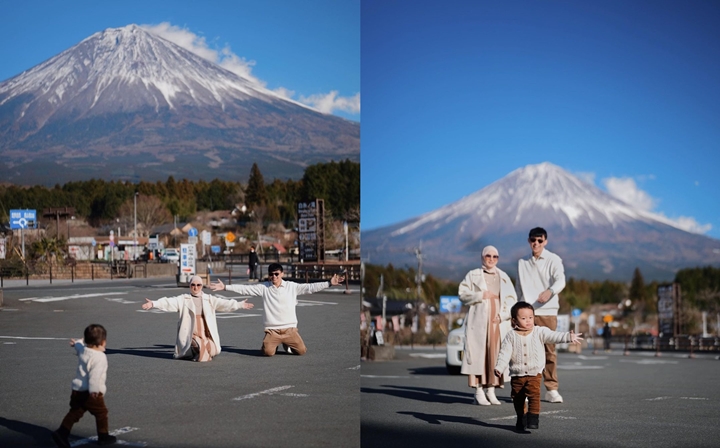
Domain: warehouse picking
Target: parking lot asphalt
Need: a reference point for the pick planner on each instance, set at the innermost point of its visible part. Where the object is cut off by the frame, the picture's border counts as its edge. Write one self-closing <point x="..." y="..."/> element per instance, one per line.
<point x="610" y="400"/>
<point x="240" y="398"/>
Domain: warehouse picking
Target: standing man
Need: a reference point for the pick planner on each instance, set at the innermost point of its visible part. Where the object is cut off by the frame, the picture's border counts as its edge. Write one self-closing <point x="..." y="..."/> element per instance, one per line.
<point x="279" y="302"/>
<point x="252" y="263"/>
<point x="541" y="277"/>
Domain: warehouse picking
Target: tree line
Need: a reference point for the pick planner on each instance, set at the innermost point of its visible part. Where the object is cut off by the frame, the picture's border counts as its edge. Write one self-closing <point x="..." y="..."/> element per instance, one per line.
<point x="700" y="289"/>
<point x="100" y="201"/>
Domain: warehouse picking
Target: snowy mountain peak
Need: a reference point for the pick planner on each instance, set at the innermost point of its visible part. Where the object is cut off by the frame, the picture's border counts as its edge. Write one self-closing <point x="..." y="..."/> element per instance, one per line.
<point x="542" y="194"/>
<point x="132" y="67"/>
<point x="127" y="91"/>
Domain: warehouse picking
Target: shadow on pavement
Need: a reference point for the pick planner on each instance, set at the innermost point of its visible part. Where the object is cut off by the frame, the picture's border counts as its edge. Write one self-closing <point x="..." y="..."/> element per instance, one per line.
<point x="244" y="351"/>
<point x="157" y="351"/>
<point x="437" y="370"/>
<point x="436" y="419"/>
<point x="41" y="435"/>
<point x="422" y="394"/>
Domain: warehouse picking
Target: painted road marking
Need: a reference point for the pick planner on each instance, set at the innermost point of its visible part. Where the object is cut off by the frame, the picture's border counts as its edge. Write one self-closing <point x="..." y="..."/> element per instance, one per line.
<point x="9" y="309"/>
<point x="383" y="376"/>
<point x="313" y="303"/>
<point x="116" y="433"/>
<point x="74" y="296"/>
<point x="44" y="339"/>
<point x="427" y="355"/>
<point x="548" y="413"/>
<point x="578" y="366"/>
<point x="123" y="301"/>
<point x="273" y="391"/>
<point x="234" y="315"/>
<point x="649" y="361"/>
<point x="680" y="398"/>
<point x="592" y="358"/>
<point x="357" y="367"/>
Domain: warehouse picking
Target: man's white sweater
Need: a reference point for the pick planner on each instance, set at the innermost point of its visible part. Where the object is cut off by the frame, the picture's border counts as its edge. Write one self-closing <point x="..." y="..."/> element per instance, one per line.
<point x="536" y="275"/>
<point x="279" y="302"/>
<point x="92" y="369"/>
<point x="526" y="354"/>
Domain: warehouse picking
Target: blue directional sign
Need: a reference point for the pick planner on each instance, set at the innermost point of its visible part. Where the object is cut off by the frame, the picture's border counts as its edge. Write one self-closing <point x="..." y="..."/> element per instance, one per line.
<point x="22" y="219"/>
<point x="192" y="232"/>
<point x="450" y="304"/>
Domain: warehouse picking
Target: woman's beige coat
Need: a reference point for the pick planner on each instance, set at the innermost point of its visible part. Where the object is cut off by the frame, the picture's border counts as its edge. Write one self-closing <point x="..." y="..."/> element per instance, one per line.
<point x="185" y="307"/>
<point x="471" y="293"/>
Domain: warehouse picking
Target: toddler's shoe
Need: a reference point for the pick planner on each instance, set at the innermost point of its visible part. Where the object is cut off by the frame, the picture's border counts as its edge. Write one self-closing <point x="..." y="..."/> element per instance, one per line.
<point x="106" y="439"/>
<point x="533" y="421"/>
<point x="521" y="423"/>
<point x="60" y="439"/>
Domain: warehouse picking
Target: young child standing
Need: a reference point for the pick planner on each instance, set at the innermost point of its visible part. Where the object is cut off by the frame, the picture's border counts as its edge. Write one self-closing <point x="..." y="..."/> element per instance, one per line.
<point x="88" y="387"/>
<point x="523" y="349"/>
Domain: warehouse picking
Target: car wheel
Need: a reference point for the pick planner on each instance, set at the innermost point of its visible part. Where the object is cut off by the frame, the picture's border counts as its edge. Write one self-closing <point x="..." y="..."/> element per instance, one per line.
<point x="452" y="370"/>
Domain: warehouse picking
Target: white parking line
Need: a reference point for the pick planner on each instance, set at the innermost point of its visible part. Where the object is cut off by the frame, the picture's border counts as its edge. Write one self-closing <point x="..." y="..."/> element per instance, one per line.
<point x="549" y="413"/>
<point x="123" y="301"/>
<point x="649" y="361"/>
<point x="264" y="392"/>
<point x="27" y="337"/>
<point x="313" y="303"/>
<point x="234" y="315"/>
<point x="115" y="433"/>
<point x="74" y="296"/>
<point x="427" y="355"/>
<point x="383" y="376"/>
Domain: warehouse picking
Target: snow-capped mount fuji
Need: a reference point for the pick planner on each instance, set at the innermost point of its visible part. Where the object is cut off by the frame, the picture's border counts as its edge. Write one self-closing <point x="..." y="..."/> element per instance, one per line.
<point x="125" y="103"/>
<point x="597" y="235"/>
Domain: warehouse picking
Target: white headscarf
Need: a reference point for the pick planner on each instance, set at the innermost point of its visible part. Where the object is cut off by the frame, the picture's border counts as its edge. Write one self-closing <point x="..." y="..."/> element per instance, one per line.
<point x="196" y="279"/>
<point x="492" y="251"/>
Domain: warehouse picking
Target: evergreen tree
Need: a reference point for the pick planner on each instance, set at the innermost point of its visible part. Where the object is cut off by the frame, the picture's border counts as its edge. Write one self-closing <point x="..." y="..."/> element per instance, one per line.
<point x="638" y="292"/>
<point x="255" y="193"/>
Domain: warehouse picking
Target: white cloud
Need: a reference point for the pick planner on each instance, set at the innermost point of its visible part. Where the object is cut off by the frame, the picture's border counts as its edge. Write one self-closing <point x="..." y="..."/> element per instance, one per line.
<point x="323" y="102"/>
<point x="625" y="189"/>
<point x="689" y="224"/>
<point x="330" y="102"/>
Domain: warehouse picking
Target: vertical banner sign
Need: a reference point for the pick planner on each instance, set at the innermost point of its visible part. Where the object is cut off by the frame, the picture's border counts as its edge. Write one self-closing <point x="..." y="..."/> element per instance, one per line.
<point x="308" y="230"/>
<point x="2" y="248"/>
<point x="188" y="254"/>
<point x="666" y="310"/>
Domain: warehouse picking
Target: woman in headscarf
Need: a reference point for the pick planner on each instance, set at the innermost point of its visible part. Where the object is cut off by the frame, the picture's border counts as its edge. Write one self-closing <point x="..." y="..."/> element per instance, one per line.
<point x="197" y="337"/>
<point x="490" y="294"/>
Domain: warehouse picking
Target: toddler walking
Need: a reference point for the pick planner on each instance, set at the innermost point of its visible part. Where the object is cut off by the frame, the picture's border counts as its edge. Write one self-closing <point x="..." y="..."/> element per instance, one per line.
<point x="88" y="387"/>
<point x="523" y="349"/>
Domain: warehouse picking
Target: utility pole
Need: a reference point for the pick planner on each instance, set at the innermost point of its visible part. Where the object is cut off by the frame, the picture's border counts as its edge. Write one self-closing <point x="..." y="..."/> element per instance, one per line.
<point x="135" y="237"/>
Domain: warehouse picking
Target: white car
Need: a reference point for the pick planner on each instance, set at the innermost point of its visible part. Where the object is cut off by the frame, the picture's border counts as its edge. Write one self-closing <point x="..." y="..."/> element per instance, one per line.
<point x="454" y="350"/>
<point x="170" y="256"/>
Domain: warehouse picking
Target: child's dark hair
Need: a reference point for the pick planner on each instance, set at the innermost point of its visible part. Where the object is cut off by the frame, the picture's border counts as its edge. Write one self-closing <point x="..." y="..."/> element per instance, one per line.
<point x="274" y="267"/>
<point x="95" y="334"/>
<point x="518" y="306"/>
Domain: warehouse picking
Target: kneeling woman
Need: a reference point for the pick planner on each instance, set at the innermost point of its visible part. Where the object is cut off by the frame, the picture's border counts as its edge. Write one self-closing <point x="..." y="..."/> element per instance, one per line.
<point x="197" y="337"/>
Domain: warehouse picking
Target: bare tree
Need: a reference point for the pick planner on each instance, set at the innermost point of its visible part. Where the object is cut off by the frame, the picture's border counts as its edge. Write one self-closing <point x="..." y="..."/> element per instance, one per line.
<point x="151" y="212"/>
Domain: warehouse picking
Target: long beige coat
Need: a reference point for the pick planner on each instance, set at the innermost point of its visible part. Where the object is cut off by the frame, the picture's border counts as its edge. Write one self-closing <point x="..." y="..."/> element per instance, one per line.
<point x="471" y="293"/>
<point x="185" y="307"/>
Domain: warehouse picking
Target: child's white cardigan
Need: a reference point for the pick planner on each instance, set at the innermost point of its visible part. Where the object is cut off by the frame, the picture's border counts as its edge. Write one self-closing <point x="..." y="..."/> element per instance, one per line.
<point x="526" y="354"/>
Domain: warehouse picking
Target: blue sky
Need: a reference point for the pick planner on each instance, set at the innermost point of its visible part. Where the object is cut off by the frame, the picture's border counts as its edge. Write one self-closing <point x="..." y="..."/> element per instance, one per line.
<point x="309" y="50"/>
<point x="457" y="94"/>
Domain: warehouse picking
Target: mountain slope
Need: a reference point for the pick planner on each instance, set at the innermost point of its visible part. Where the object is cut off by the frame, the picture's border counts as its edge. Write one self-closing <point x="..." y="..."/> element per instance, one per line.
<point x="597" y="235"/>
<point x="127" y="104"/>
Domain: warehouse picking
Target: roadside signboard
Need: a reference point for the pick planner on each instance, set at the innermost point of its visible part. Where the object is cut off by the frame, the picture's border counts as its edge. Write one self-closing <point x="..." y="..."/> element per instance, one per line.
<point x="23" y="219"/>
<point x="311" y="234"/>
<point x="450" y="304"/>
<point x="2" y="248"/>
<point x="187" y="259"/>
